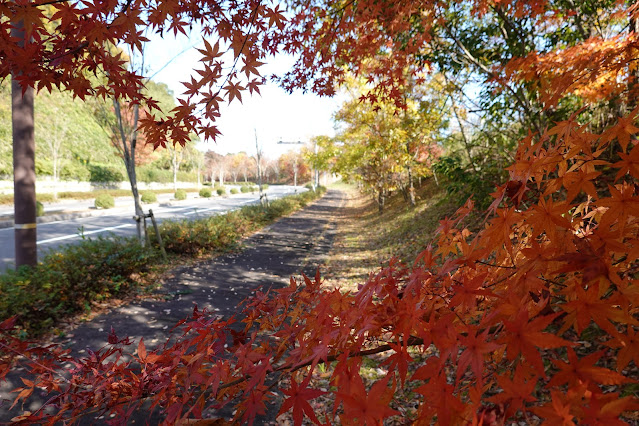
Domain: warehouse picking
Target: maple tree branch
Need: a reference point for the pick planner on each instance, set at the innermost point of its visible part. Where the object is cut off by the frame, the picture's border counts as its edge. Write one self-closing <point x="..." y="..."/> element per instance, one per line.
<point x="126" y="6"/>
<point x="496" y="266"/>
<point x="73" y="51"/>
<point x="46" y="3"/>
<point x="503" y="279"/>
<point x="523" y="103"/>
<point x="232" y="70"/>
<point x="412" y="341"/>
<point x="49" y="369"/>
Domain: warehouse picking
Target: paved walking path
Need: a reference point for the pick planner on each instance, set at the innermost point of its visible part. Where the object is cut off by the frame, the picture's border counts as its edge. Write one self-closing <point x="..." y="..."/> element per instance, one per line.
<point x="292" y="245"/>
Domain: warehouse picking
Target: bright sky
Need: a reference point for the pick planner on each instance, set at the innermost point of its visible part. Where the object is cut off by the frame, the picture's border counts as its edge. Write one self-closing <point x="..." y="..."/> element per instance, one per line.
<point x="275" y="115"/>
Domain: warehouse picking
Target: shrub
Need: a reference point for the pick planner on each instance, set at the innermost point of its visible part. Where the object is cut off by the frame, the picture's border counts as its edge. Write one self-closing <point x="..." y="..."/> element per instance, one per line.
<point x="150" y="174"/>
<point x="245" y="189"/>
<point x="461" y="181"/>
<point x="39" y="209"/>
<point x="264" y="187"/>
<point x="149" y="197"/>
<point x="221" y="191"/>
<point x="206" y="192"/>
<point x="207" y="184"/>
<point x="74" y="171"/>
<point x="105" y="174"/>
<point x="234" y="191"/>
<point x="254" y="188"/>
<point x="180" y="194"/>
<point x="309" y="186"/>
<point x="197" y="237"/>
<point x="104" y="201"/>
<point x="65" y="281"/>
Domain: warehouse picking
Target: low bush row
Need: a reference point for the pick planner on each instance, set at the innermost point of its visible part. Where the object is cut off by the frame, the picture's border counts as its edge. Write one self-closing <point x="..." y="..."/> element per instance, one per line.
<point x="69" y="281"/>
<point x="84" y="195"/>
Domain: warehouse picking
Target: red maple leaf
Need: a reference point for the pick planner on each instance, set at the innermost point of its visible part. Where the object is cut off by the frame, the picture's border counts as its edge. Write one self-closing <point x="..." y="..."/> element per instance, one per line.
<point x="298" y="397"/>
<point x="579" y="371"/>
<point x="477" y="346"/>
<point x="524" y="337"/>
<point x="367" y="408"/>
<point x="516" y="391"/>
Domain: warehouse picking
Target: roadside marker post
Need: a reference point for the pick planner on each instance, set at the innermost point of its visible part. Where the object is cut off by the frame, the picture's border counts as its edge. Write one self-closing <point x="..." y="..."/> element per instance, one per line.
<point x="155" y="227"/>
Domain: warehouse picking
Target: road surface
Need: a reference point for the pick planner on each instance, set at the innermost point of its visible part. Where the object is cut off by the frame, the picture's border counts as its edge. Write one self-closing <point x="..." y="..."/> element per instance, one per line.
<point x="119" y="221"/>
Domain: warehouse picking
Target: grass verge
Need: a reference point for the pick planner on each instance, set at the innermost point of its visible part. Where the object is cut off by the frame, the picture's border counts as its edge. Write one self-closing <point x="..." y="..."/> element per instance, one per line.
<point x="68" y="282"/>
<point x="367" y="239"/>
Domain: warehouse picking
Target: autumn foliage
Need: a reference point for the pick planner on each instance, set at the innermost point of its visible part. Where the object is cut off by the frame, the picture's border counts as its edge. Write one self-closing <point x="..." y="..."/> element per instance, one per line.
<point x="534" y="318"/>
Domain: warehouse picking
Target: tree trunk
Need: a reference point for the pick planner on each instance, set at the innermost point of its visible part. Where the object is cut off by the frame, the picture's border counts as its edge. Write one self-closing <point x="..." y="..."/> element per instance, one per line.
<point x="24" y="196"/>
<point x="55" y="176"/>
<point x="175" y="169"/>
<point x="128" y="154"/>
<point x="380" y="200"/>
<point x="24" y="178"/>
<point x="411" y="187"/>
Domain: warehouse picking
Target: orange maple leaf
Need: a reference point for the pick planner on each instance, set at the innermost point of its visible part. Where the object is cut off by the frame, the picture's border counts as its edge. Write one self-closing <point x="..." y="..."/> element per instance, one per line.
<point x="589" y="306"/>
<point x="629" y="163"/>
<point x="628" y="345"/>
<point x="556" y="412"/>
<point x="621" y="204"/>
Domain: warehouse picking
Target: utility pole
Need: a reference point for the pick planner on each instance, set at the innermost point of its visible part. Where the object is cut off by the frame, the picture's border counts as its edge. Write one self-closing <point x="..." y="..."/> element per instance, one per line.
<point x="24" y="196"/>
<point x="263" y="199"/>
<point x="316" y="172"/>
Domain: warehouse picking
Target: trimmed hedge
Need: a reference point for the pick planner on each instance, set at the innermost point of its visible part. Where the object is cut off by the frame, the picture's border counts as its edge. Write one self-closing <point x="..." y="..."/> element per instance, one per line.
<point x="104" y="201"/>
<point x="149" y="197"/>
<point x="39" y="209"/>
<point x="180" y="194"/>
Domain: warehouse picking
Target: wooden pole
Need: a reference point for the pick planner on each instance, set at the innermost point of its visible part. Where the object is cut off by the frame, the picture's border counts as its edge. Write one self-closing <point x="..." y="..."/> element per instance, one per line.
<point x="157" y="234"/>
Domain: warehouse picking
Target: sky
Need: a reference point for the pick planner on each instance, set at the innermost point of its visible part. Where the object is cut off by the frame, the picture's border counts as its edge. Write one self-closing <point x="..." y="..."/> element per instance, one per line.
<point x="275" y="115"/>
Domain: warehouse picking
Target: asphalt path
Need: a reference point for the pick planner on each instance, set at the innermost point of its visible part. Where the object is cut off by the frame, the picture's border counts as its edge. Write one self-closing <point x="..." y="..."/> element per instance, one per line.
<point x="295" y="244"/>
<point x="51" y="236"/>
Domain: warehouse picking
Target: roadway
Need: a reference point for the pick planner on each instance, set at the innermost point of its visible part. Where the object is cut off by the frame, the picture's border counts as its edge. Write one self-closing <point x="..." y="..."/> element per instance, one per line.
<point x="119" y="221"/>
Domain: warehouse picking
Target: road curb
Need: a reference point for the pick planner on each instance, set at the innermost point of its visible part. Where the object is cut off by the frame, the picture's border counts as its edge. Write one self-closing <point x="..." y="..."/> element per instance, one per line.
<point x="62" y="216"/>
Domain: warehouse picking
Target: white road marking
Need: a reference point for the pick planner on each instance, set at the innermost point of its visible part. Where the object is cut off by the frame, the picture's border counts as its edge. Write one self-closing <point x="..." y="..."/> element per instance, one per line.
<point x="67" y="237"/>
<point x="200" y="211"/>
